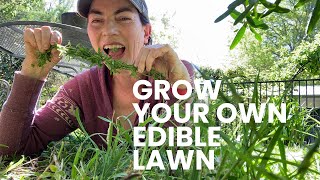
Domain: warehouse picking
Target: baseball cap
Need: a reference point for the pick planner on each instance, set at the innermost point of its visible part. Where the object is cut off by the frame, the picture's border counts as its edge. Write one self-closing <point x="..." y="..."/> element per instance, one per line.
<point x="84" y="6"/>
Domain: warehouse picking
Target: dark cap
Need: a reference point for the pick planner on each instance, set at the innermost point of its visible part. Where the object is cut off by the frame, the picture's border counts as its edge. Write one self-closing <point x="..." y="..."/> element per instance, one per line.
<point x="84" y="7"/>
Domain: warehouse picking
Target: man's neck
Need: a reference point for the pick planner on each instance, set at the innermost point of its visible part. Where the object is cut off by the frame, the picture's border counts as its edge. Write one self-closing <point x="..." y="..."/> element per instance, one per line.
<point x="123" y="79"/>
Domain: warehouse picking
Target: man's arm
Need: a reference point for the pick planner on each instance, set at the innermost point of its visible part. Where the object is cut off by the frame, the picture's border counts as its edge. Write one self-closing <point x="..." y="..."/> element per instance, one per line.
<point x="27" y="131"/>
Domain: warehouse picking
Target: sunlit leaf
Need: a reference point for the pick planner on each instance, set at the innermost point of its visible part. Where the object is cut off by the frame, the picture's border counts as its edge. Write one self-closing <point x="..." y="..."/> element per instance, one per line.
<point x="271" y="145"/>
<point x="13" y="166"/>
<point x="235" y="4"/>
<point x="257" y="23"/>
<point x="244" y="14"/>
<point x="267" y="13"/>
<point x="53" y="168"/>
<point x="238" y="37"/>
<point x="314" y="18"/>
<point x="256" y="34"/>
<point x="235" y="14"/>
<point x="283" y="155"/>
<point x="306" y="163"/>
<point x="301" y="3"/>
<point x="75" y="162"/>
<point x="224" y="15"/>
<point x="231" y="8"/>
<point x="3" y="146"/>
<point x="279" y="9"/>
<point x="267" y="4"/>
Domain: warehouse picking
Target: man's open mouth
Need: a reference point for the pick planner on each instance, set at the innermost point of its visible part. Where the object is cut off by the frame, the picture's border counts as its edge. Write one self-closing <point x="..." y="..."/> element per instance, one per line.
<point x="114" y="51"/>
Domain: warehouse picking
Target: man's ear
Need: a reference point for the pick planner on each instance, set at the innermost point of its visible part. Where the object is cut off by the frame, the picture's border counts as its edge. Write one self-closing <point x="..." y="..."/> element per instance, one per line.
<point x="147" y="33"/>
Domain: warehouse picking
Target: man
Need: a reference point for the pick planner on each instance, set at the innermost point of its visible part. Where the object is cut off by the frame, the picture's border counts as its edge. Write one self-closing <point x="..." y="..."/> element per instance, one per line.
<point x="122" y="29"/>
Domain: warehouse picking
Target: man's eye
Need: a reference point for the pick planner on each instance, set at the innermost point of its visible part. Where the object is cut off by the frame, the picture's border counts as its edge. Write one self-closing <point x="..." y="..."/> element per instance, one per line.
<point x="96" y="21"/>
<point x="124" y="19"/>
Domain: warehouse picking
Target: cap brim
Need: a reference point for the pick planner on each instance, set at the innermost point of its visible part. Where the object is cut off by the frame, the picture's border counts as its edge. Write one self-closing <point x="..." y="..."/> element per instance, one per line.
<point x="83" y="7"/>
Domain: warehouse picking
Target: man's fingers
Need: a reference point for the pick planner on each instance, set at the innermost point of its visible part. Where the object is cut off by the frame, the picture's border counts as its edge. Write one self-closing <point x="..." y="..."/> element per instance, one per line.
<point x="42" y="38"/>
<point x="56" y="38"/>
<point x="150" y="60"/>
<point x="157" y="53"/>
<point x="148" y="55"/>
<point x="56" y="56"/>
<point x="45" y="37"/>
<point x="38" y="37"/>
<point x="29" y="37"/>
<point x="142" y="60"/>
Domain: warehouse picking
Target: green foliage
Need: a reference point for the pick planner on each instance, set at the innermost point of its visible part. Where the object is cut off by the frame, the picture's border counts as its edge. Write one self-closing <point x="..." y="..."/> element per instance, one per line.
<point x="314" y="18"/>
<point x="270" y="57"/>
<point x="249" y="151"/>
<point x="94" y="58"/>
<point x="8" y="66"/>
<point x="55" y="80"/>
<point x="36" y="10"/>
<point x="10" y="9"/>
<point x="209" y="73"/>
<point x="238" y="37"/>
<point x="303" y="61"/>
<point x="163" y="32"/>
<point x="254" y="13"/>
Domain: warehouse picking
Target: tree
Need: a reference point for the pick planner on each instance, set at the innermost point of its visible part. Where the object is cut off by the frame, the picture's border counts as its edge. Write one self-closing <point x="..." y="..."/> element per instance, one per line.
<point x="163" y="30"/>
<point x="36" y="10"/>
<point x="10" y="9"/>
<point x="254" y="13"/>
<point x="303" y="62"/>
<point x="286" y="32"/>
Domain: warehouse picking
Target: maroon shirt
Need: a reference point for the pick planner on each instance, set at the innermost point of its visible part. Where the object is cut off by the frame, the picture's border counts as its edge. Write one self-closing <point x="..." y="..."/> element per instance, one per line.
<point x="27" y="131"/>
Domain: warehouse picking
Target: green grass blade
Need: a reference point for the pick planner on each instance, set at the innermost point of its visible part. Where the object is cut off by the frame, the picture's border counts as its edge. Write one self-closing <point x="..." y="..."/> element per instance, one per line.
<point x="110" y="135"/>
<point x="94" y="160"/>
<point x="61" y="150"/>
<point x="77" y="113"/>
<point x="307" y="159"/>
<point x="235" y="95"/>
<point x="13" y="166"/>
<point x="105" y="119"/>
<point x="283" y="156"/>
<point x="271" y="146"/>
<point x="287" y="162"/>
<point x="223" y="161"/>
<point x="75" y="162"/>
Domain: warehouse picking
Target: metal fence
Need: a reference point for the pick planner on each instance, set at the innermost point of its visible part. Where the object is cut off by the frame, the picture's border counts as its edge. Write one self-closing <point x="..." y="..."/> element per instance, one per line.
<point x="306" y="92"/>
<point x="4" y="91"/>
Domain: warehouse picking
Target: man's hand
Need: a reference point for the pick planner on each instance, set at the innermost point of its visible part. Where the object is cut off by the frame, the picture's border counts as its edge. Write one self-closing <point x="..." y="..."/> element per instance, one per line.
<point x="164" y="60"/>
<point x="39" y="40"/>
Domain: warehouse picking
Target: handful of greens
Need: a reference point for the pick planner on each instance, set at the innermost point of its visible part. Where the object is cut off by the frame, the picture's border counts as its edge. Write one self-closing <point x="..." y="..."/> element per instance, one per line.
<point x="94" y="58"/>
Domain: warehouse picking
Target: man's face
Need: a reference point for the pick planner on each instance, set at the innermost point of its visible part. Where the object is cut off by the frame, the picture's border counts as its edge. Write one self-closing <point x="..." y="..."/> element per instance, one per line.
<point x="114" y="27"/>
